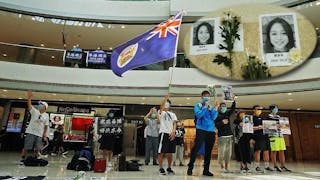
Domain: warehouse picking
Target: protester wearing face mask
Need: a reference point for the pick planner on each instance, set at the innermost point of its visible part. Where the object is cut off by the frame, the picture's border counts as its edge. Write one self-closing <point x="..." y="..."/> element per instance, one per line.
<point x="262" y="143"/>
<point x="225" y="135"/>
<point x="242" y="144"/>
<point x="179" y="143"/>
<point x="205" y="114"/>
<point x="152" y="133"/>
<point x="277" y="142"/>
<point x="107" y="142"/>
<point x="37" y="129"/>
<point x="167" y="132"/>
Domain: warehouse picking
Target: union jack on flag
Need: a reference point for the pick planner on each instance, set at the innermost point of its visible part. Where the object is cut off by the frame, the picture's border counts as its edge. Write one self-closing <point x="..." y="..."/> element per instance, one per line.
<point x="171" y="25"/>
<point x="156" y="45"/>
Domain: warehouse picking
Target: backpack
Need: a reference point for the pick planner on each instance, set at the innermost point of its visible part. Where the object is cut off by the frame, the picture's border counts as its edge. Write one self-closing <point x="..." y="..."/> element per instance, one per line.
<point x="195" y="117"/>
<point x="33" y="161"/>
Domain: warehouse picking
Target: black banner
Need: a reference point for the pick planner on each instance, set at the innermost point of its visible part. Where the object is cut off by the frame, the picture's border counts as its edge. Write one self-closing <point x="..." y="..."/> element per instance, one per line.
<point x="74" y="56"/>
<point x="110" y="126"/>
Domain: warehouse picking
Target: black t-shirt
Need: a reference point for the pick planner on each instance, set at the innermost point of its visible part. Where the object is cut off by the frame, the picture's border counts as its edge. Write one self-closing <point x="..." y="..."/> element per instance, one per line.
<point x="225" y="129"/>
<point x="257" y="121"/>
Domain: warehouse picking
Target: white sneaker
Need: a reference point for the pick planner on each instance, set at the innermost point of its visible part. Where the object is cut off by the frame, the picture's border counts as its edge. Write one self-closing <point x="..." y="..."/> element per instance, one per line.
<point x="64" y="156"/>
<point x="53" y="154"/>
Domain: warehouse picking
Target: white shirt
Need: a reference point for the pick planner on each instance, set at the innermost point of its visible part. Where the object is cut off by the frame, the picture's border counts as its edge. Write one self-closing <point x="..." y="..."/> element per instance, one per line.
<point x="37" y="122"/>
<point x="166" y="121"/>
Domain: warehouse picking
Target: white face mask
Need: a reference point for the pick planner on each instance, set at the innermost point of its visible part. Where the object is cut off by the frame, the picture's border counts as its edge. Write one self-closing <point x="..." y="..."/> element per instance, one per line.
<point x="167" y="105"/>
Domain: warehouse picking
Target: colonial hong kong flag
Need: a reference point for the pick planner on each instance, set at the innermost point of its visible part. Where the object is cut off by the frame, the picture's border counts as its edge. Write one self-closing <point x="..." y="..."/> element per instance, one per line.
<point x="158" y="44"/>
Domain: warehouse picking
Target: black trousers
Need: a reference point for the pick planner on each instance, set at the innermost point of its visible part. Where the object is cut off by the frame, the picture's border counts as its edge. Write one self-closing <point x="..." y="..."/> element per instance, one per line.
<point x="208" y="138"/>
<point x="244" y="149"/>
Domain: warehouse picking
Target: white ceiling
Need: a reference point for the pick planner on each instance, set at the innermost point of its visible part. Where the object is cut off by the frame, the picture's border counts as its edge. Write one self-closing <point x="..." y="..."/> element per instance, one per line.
<point x="19" y="29"/>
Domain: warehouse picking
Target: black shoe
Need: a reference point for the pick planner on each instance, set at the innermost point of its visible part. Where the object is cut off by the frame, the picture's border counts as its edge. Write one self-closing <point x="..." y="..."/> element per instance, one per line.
<point x="155" y="164"/>
<point x="277" y="169"/>
<point x="207" y="173"/>
<point x="258" y="170"/>
<point x="285" y="169"/>
<point x="162" y="172"/>
<point x="181" y="164"/>
<point x="268" y="169"/>
<point x="189" y="172"/>
<point x="22" y="162"/>
<point x="146" y="164"/>
<point x="170" y="171"/>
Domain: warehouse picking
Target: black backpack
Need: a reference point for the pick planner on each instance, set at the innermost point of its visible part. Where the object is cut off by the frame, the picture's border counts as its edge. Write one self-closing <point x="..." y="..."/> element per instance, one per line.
<point x="33" y="161"/>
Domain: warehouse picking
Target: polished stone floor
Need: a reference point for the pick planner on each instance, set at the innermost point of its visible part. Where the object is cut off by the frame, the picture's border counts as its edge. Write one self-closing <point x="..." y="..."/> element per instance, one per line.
<point x="9" y="165"/>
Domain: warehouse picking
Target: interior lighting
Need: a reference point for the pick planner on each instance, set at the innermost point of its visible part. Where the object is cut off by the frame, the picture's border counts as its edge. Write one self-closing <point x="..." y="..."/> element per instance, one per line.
<point x="54" y="94"/>
<point x="143" y="98"/>
<point x="4" y="90"/>
<point x="318" y="3"/>
<point x="289" y="94"/>
<point x="188" y="98"/>
<point x="20" y="98"/>
<point x="52" y="57"/>
<point x="110" y="48"/>
<point x="122" y="26"/>
<point x="99" y="97"/>
<point x="290" y="99"/>
<point x="4" y="55"/>
<point x="60" y="99"/>
<point x="42" y="45"/>
<point x="298" y="109"/>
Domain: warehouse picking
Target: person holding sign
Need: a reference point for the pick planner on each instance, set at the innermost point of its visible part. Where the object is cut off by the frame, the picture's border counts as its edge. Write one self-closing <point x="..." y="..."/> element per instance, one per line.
<point x="242" y="143"/>
<point x="152" y="134"/>
<point x="277" y="142"/>
<point x="205" y="114"/>
<point x="261" y="140"/>
<point x="225" y="135"/>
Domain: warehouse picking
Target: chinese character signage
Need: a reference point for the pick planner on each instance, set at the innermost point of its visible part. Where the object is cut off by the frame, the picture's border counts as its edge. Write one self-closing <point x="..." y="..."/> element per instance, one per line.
<point x="97" y="57"/>
<point x="73" y="56"/>
<point x="110" y="125"/>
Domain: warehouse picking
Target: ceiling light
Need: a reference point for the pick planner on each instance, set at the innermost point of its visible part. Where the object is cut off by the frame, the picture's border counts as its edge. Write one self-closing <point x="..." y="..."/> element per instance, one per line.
<point x="188" y="98"/>
<point x="180" y="104"/>
<point x="236" y="97"/>
<point x="20" y="98"/>
<point x="110" y="48"/>
<point x="99" y="97"/>
<point x="290" y="99"/>
<point x="101" y="101"/>
<point x="318" y="3"/>
<point x="298" y="109"/>
<point x="109" y="26"/>
<point x="42" y="45"/>
<point x="143" y="98"/>
<point x="20" y="15"/>
<point x="142" y="103"/>
<point x="4" y="90"/>
<point x="289" y="94"/>
<point x="60" y="99"/>
<point x="52" y="57"/>
<point x="33" y="18"/>
<point x="54" y="94"/>
<point x="188" y="103"/>
<point x="122" y="26"/>
<point x="4" y="55"/>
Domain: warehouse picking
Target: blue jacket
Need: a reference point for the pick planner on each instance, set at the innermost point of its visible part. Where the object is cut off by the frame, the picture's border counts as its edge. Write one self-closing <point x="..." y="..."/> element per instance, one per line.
<point x="205" y="117"/>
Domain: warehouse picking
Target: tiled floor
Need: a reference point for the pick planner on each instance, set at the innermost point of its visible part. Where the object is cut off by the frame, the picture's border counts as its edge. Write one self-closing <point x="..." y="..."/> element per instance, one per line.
<point x="9" y="165"/>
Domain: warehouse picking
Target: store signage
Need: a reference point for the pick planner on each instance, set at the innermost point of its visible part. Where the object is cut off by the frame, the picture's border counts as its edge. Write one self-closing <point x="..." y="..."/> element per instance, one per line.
<point x="73" y="56"/>
<point x="134" y="121"/>
<point x="73" y="109"/>
<point x="96" y="57"/>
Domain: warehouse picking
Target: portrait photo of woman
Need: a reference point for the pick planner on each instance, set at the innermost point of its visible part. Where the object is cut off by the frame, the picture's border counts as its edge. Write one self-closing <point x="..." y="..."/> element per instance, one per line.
<point x="278" y="33"/>
<point x="203" y="34"/>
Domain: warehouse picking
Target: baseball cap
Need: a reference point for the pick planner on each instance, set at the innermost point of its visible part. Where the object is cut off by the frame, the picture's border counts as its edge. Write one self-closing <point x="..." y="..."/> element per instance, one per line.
<point x="44" y="103"/>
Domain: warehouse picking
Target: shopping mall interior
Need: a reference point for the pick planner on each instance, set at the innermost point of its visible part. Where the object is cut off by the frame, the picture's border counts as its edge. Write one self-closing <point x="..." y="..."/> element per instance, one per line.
<point x="37" y="38"/>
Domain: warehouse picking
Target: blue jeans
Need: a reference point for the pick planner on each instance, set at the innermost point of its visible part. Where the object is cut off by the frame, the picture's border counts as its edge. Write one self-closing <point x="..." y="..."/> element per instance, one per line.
<point x="151" y="144"/>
